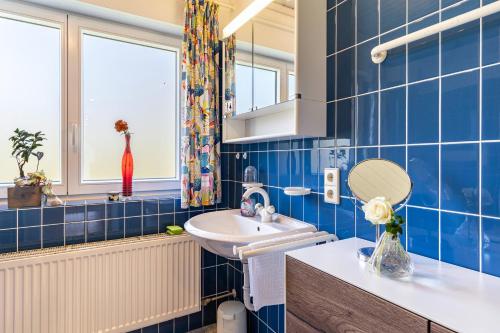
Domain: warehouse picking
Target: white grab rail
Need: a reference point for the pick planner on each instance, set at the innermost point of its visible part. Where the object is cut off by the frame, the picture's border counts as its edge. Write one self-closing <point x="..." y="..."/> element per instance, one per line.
<point x="379" y="53"/>
<point x="286" y="246"/>
<point x="273" y="241"/>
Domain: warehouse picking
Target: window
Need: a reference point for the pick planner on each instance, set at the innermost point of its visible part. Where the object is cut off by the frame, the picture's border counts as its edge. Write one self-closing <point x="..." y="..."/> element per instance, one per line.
<point x="120" y="72"/>
<point x="243" y="75"/>
<point x="72" y="77"/>
<point x="265" y="86"/>
<point x="32" y="90"/>
<point x="131" y="81"/>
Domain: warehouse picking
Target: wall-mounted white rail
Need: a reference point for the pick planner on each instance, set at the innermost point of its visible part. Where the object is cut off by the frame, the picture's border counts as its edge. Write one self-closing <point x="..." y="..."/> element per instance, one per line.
<point x="277" y="240"/>
<point x="379" y="53"/>
<point x="318" y="237"/>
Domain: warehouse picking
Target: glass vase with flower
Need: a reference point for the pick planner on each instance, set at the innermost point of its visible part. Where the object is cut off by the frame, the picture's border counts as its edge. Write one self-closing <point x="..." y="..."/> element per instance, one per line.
<point x="389" y="257"/>
<point x="121" y="126"/>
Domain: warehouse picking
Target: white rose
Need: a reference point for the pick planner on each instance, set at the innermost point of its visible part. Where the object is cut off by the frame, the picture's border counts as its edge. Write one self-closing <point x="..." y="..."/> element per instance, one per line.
<point x="378" y="211"/>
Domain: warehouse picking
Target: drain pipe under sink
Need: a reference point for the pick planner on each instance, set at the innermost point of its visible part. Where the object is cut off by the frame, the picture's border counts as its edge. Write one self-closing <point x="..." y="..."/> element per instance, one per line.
<point x="246" y="286"/>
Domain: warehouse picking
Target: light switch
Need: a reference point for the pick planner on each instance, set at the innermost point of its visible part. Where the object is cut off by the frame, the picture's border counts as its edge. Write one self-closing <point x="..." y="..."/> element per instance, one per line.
<point x="331" y="188"/>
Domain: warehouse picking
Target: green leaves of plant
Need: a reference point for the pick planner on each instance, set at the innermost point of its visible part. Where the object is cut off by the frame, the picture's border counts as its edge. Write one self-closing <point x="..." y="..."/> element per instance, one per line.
<point x="394" y="227"/>
<point x="24" y="145"/>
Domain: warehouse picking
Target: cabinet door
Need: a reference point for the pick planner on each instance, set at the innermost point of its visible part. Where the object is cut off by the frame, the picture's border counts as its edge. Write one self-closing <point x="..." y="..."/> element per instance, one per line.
<point x="435" y="328"/>
<point x="296" y="325"/>
<point x="324" y="303"/>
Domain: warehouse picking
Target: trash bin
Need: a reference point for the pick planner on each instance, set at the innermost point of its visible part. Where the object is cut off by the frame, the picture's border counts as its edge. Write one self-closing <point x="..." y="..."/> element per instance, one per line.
<point x="231" y="317"/>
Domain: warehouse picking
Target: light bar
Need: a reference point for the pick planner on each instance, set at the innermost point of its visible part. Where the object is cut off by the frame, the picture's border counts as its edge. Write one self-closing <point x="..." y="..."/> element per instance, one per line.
<point x="246" y="15"/>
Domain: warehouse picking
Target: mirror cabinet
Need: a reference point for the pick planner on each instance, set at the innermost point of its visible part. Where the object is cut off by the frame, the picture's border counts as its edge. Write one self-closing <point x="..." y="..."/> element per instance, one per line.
<point x="272" y="90"/>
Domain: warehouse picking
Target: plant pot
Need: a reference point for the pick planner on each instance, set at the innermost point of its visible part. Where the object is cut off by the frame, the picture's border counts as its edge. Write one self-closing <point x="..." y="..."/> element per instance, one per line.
<point x="24" y="196"/>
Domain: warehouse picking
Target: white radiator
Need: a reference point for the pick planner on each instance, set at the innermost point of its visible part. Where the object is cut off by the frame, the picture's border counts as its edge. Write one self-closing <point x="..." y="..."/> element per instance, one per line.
<point x="114" y="286"/>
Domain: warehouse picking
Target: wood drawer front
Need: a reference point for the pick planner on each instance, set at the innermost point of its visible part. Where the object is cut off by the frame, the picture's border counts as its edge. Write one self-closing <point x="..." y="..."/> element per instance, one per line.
<point x="296" y="325"/>
<point x="328" y="304"/>
<point x="435" y="328"/>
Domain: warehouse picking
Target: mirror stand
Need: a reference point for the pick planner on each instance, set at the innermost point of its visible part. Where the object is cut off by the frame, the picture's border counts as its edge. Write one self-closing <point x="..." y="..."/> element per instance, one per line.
<point x="368" y="179"/>
<point x="364" y="253"/>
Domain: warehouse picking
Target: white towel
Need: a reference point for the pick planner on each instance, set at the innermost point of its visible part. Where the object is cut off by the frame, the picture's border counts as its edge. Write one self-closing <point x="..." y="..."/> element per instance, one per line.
<point x="267" y="279"/>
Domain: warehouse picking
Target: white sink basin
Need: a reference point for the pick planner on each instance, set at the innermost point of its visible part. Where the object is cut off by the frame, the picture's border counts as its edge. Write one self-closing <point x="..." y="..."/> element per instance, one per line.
<point x="219" y="231"/>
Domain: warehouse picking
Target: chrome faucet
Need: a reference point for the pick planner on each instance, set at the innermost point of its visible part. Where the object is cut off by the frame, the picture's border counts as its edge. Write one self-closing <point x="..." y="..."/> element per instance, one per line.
<point x="266" y="212"/>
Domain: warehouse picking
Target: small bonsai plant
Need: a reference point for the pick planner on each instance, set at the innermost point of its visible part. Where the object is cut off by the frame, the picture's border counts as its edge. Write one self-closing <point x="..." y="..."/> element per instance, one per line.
<point x="29" y="186"/>
<point x="24" y="145"/>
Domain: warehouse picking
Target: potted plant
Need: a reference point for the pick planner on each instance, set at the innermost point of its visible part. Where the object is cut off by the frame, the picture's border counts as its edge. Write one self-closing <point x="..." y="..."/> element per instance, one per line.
<point x="27" y="191"/>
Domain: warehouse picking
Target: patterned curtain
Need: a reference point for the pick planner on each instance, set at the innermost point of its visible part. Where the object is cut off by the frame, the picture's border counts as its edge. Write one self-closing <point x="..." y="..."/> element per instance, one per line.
<point x="200" y="128"/>
<point x="229" y="75"/>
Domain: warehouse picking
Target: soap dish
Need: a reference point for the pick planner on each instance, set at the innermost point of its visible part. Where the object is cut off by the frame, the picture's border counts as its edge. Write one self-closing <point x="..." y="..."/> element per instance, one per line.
<point x="249" y="185"/>
<point x="295" y="191"/>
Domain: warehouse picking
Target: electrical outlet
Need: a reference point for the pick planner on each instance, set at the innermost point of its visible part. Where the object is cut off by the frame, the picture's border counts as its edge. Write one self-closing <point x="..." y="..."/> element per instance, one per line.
<point x="331" y="185"/>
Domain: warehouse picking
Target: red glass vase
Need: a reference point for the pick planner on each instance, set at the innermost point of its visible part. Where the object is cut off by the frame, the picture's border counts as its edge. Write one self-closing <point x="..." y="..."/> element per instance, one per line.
<point x="127" y="168"/>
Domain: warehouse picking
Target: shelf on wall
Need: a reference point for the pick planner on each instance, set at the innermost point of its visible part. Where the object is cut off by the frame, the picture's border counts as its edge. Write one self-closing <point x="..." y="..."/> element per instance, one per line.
<point x="291" y="119"/>
<point x="271" y="109"/>
<point x="257" y="138"/>
<point x="297" y="191"/>
<point x="249" y="185"/>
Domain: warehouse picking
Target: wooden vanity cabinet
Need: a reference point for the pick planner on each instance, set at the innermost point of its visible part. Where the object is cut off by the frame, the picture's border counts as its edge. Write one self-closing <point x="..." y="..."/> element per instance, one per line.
<point x="435" y="328"/>
<point x="319" y="302"/>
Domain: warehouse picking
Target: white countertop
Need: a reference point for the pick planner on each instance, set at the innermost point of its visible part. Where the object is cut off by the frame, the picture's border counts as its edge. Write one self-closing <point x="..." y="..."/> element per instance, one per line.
<point x="457" y="298"/>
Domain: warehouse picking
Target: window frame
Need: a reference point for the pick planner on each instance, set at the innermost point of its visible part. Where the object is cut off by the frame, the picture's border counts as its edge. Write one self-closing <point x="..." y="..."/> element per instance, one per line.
<point x="77" y="25"/>
<point x="56" y="19"/>
<point x="268" y="63"/>
<point x="281" y="66"/>
<point x="243" y="60"/>
<point x="70" y="26"/>
<point x="277" y="84"/>
<point x="291" y="72"/>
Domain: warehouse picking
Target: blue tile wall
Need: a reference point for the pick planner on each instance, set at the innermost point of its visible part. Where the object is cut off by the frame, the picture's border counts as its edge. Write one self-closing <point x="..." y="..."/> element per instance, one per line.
<point x="491" y="102"/>
<point x="98" y="220"/>
<point x="418" y="9"/>
<point x="394" y="71"/>
<point x="460" y="107"/>
<point x="392" y="14"/>
<point x="423" y="112"/>
<point x="432" y="106"/>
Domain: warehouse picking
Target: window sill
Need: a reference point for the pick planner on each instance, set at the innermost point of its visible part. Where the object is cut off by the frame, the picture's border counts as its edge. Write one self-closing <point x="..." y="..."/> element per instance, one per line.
<point x="69" y="200"/>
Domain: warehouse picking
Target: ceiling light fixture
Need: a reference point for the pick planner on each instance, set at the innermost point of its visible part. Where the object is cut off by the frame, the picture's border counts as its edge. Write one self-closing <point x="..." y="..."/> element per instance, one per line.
<point x="246" y="15"/>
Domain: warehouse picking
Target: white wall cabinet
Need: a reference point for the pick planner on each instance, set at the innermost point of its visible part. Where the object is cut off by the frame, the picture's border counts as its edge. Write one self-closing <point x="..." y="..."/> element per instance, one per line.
<point x="304" y="116"/>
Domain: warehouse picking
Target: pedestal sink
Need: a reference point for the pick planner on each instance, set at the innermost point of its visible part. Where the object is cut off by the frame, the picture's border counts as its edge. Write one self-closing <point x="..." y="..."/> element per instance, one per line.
<point x="219" y="231"/>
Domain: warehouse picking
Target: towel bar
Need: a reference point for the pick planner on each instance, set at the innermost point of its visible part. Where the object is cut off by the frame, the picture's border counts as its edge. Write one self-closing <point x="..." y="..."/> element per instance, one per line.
<point x="286" y="246"/>
<point x="379" y="53"/>
<point x="273" y="241"/>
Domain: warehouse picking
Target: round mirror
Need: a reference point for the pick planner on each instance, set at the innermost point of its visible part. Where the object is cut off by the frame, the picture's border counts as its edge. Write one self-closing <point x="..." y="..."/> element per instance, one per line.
<point x="379" y="178"/>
